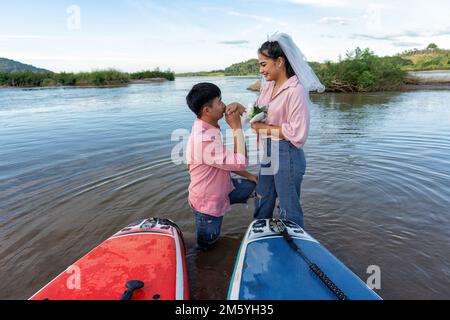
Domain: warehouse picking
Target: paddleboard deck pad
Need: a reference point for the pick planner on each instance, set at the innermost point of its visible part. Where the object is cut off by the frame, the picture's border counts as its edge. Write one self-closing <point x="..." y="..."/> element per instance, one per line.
<point x="149" y="252"/>
<point x="268" y="268"/>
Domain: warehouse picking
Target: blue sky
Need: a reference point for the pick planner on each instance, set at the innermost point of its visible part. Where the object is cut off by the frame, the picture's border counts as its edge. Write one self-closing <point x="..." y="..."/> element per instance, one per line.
<point x="133" y="35"/>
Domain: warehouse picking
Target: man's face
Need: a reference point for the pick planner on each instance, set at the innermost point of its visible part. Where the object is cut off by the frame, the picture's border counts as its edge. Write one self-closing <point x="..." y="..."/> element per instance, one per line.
<point x="217" y="109"/>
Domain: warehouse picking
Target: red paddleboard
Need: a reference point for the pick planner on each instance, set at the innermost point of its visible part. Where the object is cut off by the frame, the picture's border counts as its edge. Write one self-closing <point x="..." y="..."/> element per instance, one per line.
<point x="145" y="261"/>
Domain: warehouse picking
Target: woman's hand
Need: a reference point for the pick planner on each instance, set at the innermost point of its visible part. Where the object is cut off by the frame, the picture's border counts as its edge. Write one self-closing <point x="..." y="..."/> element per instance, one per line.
<point x="259" y="126"/>
<point x="268" y="130"/>
<point x="231" y="108"/>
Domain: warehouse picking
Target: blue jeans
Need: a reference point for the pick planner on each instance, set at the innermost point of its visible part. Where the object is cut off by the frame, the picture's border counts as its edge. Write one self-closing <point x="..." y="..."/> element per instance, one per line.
<point x="285" y="183"/>
<point x="209" y="227"/>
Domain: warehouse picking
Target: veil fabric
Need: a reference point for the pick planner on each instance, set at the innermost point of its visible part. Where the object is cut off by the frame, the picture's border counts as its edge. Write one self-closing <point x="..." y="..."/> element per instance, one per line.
<point x="297" y="59"/>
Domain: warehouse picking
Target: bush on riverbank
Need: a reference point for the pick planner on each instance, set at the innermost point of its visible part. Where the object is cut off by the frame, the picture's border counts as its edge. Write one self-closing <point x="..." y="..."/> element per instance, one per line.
<point x="95" y="78"/>
<point x="169" y="75"/>
<point x="24" y="78"/>
<point x="361" y="71"/>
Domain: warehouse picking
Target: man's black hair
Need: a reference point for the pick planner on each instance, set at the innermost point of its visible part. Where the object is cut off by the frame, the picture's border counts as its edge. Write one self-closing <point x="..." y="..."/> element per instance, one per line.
<point x="200" y="95"/>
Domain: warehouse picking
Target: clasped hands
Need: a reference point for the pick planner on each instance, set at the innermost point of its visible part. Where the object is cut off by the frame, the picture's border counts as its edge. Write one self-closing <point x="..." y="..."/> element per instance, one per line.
<point x="233" y="113"/>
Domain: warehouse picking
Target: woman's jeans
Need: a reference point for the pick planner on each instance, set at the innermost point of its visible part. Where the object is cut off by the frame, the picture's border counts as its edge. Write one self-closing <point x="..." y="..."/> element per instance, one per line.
<point x="209" y="227"/>
<point x="283" y="181"/>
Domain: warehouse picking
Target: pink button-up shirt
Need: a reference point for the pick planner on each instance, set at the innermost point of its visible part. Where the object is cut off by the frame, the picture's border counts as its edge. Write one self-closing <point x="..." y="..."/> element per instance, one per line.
<point x="288" y="110"/>
<point x="210" y="163"/>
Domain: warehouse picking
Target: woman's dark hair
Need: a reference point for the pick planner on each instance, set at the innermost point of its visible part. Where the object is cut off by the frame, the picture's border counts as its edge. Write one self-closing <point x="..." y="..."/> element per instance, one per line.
<point x="273" y="50"/>
<point x="200" y="95"/>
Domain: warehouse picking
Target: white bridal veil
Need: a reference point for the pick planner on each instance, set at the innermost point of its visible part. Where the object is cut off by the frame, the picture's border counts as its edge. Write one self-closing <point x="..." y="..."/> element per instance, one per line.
<point x="298" y="61"/>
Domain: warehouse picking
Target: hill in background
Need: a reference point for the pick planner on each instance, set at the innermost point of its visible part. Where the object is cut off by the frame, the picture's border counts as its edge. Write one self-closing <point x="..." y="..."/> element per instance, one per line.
<point x="431" y="58"/>
<point x="7" y="65"/>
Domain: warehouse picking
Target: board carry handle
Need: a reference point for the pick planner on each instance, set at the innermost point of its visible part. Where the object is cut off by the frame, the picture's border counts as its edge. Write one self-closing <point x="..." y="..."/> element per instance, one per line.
<point x="132" y="286"/>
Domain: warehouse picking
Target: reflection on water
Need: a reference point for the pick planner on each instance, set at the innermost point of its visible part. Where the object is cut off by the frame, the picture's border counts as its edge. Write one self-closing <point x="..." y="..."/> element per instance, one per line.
<point x="77" y="165"/>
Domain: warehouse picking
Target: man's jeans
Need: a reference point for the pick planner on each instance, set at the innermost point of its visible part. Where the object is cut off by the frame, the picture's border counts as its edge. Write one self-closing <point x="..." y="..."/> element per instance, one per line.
<point x="209" y="227"/>
<point x="285" y="183"/>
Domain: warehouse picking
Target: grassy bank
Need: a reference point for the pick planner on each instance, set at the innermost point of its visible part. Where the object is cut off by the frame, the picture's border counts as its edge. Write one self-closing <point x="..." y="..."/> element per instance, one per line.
<point x="95" y="78"/>
<point x="426" y="60"/>
<point x="362" y="71"/>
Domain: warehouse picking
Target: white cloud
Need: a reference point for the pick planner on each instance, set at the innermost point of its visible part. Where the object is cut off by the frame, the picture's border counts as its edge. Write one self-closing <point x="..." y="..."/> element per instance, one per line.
<point x="258" y="18"/>
<point x="250" y="16"/>
<point x="20" y="36"/>
<point x="323" y="3"/>
<point x="335" y="21"/>
<point x="405" y="34"/>
<point x="408" y="44"/>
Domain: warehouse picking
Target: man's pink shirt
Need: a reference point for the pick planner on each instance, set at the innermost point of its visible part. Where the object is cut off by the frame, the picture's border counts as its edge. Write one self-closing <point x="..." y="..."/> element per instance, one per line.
<point x="210" y="163"/>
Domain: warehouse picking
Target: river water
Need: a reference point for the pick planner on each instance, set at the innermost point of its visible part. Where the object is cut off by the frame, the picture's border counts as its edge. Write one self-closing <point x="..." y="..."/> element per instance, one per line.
<point x="77" y="165"/>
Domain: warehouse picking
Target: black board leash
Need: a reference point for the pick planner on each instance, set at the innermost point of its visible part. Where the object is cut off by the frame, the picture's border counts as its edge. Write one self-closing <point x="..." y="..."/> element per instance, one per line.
<point x="280" y="227"/>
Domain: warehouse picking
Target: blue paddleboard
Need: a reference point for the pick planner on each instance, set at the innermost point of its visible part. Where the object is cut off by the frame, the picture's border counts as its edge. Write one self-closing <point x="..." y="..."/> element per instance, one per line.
<point x="268" y="268"/>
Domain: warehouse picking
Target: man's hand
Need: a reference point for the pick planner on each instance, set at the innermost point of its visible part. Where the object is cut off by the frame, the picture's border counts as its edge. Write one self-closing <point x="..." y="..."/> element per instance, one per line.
<point x="234" y="120"/>
<point x="233" y="107"/>
<point x="247" y="175"/>
<point x="253" y="178"/>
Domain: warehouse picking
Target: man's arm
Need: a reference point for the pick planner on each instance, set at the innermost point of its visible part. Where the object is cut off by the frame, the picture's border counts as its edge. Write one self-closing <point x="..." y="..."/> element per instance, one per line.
<point x="234" y="121"/>
<point x="239" y="142"/>
<point x="222" y="158"/>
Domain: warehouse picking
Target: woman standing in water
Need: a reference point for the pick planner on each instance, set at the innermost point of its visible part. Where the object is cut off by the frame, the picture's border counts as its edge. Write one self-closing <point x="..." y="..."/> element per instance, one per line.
<point x="285" y="94"/>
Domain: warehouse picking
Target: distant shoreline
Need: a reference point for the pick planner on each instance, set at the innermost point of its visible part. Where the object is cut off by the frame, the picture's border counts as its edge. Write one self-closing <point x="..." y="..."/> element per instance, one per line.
<point x="361" y="71"/>
<point x="140" y="81"/>
<point x="411" y="85"/>
<point x="100" y="78"/>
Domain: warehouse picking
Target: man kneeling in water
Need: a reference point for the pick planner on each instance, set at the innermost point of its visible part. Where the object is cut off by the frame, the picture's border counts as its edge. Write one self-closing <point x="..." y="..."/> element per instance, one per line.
<point x="212" y="191"/>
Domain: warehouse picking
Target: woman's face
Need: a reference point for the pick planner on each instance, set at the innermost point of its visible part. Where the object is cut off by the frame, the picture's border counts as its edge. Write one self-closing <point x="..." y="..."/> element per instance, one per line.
<point x="270" y="68"/>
